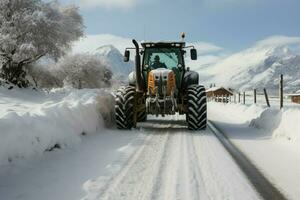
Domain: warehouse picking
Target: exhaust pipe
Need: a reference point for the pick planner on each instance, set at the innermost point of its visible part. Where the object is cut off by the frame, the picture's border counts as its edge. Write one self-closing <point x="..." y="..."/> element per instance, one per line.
<point x="138" y="71"/>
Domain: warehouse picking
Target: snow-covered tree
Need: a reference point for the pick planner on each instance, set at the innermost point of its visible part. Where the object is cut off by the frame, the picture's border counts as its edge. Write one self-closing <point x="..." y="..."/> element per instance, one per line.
<point x="32" y="29"/>
<point x="85" y="71"/>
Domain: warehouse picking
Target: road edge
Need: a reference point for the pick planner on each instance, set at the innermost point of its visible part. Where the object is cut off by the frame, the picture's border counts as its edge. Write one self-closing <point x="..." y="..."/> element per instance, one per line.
<point x="262" y="185"/>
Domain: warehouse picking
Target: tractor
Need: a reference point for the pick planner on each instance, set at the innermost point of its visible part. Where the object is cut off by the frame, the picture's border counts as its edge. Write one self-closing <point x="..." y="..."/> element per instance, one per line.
<point x="161" y="85"/>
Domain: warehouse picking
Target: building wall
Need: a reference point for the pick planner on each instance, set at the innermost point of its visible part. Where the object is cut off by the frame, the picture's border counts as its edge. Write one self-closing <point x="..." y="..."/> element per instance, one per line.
<point x="296" y="99"/>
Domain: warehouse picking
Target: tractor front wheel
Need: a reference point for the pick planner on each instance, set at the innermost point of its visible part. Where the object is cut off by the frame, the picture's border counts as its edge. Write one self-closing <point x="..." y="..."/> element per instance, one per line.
<point x="196" y="115"/>
<point x="124" y="108"/>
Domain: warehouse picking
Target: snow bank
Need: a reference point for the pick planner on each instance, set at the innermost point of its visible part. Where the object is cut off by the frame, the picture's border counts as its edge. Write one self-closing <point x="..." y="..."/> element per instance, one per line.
<point x="245" y="113"/>
<point x="283" y="124"/>
<point x="32" y="122"/>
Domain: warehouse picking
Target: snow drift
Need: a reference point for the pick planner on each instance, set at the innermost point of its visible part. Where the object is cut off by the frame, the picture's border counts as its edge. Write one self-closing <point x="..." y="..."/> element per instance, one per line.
<point x="281" y="124"/>
<point x="32" y="122"/>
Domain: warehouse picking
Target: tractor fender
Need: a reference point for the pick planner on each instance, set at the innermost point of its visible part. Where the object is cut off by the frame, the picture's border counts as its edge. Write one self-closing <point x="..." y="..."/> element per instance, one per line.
<point x="132" y="78"/>
<point x="190" y="78"/>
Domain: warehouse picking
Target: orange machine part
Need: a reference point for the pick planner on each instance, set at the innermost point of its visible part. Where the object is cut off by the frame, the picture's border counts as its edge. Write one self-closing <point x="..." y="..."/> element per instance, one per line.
<point x="171" y="84"/>
<point x="151" y="83"/>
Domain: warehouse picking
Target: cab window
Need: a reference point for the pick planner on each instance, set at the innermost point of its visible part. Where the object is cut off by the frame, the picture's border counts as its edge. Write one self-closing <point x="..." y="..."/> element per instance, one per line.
<point x="170" y="57"/>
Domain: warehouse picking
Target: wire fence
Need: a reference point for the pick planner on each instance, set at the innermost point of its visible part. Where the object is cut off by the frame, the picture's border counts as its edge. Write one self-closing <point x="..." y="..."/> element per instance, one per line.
<point x="258" y="97"/>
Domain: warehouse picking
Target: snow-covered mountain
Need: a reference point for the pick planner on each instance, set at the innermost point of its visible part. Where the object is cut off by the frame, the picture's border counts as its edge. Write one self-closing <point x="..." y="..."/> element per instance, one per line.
<point x="113" y="57"/>
<point x="257" y="67"/>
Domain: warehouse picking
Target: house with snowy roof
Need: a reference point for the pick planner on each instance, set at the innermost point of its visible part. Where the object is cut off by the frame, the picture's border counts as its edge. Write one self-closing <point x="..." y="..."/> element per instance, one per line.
<point x="218" y="91"/>
<point x="219" y="94"/>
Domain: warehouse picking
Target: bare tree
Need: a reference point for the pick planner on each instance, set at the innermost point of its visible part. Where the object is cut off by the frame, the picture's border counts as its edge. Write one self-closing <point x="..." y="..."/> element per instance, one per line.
<point x="32" y="29"/>
<point x="85" y="71"/>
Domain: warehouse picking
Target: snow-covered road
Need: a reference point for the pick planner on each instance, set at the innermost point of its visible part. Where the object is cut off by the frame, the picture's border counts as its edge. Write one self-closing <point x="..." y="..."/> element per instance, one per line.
<point x="161" y="160"/>
<point x="174" y="163"/>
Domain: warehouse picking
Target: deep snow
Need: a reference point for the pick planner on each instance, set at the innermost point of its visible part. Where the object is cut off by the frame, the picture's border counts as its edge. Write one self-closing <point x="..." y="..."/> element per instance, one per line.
<point x="61" y="174"/>
<point x="160" y="160"/>
<point x="32" y="122"/>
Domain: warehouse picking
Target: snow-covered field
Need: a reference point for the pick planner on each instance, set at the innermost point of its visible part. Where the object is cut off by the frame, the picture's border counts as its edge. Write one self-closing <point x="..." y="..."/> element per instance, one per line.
<point x="269" y="137"/>
<point x="32" y="122"/>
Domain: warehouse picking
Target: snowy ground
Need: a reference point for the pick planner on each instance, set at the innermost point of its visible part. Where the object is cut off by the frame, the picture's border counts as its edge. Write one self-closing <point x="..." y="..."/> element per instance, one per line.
<point x="174" y="163"/>
<point x="159" y="160"/>
<point x="269" y="137"/>
<point x="61" y="174"/>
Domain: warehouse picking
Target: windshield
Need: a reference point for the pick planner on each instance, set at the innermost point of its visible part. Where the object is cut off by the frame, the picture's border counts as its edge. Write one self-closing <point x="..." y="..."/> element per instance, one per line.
<point x="162" y="58"/>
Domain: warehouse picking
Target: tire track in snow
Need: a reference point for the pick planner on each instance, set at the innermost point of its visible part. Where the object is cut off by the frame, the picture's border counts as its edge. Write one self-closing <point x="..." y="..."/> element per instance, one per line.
<point x="98" y="190"/>
<point x="165" y="185"/>
<point x="221" y="176"/>
<point x="174" y="163"/>
<point x="136" y="179"/>
<point x="198" y="185"/>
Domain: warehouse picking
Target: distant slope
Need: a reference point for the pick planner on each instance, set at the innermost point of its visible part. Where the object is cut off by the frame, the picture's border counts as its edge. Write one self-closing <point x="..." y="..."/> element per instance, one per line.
<point x="257" y="67"/>
<point x="114" y="59"/>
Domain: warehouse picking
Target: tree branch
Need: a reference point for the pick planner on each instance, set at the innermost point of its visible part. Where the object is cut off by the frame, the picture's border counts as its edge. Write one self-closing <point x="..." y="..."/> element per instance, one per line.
<point x="31" y="60"/>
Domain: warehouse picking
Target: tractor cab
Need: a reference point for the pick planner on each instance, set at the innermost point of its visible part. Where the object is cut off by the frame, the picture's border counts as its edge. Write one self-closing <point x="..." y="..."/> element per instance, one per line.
<point x="165" y="57"/>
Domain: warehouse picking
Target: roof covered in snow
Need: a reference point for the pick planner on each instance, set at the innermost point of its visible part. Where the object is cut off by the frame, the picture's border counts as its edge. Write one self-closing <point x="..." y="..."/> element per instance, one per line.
<point x="213" y="89"/>
<point x="293" y="95"/>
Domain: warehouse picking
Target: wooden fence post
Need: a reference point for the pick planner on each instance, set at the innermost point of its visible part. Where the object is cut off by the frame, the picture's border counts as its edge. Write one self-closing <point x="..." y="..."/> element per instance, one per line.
<point x="244" y="98"/>
<point x="281" y="90"/>
<point x="239" y="97"/>
<point x="267" y="98"/>
<point x="255" y="96"/>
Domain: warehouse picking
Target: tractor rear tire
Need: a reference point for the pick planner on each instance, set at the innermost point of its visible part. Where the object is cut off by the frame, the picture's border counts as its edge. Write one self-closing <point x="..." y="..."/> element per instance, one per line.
<point x="196" y="115"/>
<point x="124" y="108"/>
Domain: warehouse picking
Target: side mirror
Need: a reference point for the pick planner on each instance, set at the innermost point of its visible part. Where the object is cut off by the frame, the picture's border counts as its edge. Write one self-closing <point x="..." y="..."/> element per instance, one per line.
<point x="193" y="54"/>
<point x="126" y="56"/>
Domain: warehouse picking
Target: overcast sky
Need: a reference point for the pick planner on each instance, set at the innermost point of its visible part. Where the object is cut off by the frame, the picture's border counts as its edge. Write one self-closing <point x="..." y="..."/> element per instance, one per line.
<point x="230" y="24"/>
